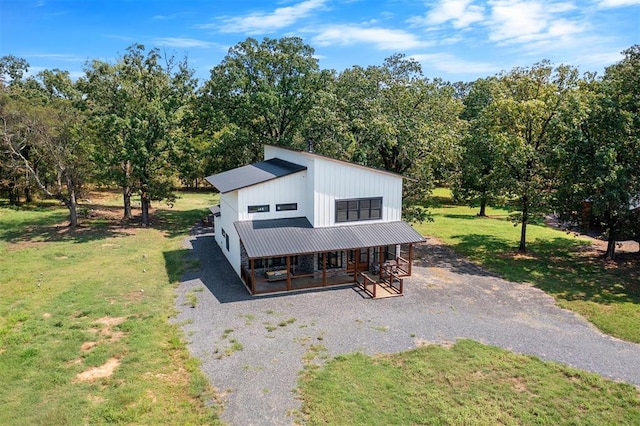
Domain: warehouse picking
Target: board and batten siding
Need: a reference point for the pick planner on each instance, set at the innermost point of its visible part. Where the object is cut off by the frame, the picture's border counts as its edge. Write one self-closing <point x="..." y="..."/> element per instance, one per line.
<point x="339" y="181"/>
<point x="284" y="190"/>
<point x="330" y="180"/>
<point x="228" y="215"/>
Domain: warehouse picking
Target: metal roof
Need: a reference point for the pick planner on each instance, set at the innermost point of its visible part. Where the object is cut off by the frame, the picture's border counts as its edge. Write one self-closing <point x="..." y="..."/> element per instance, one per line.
<point x="215" y="210"/>
<point x="253" y="174"/>
<point x="281" y="237"/>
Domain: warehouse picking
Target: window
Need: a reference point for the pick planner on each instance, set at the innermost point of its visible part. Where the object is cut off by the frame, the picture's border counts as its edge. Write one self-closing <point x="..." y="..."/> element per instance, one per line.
<point x="334" y="260"/>
<point x="259" y="209"/>
<point x="227" y="241"/>
<point x="287" y="206"/>
<point x="274" y="262"/>
<point x="358" y="209"/>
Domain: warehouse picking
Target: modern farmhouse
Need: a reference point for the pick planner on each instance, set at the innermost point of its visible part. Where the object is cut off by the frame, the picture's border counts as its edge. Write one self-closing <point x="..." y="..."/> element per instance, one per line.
<point x="299" y="220"/>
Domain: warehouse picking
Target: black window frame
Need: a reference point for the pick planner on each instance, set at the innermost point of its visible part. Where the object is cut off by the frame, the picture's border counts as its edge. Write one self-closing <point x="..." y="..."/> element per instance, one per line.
<point x="286" y="207"/>
<point x="274" y="262"/>
<point x="334" y="260"/>
<point x="258" y="208"/>
<point x="358" y="209"/>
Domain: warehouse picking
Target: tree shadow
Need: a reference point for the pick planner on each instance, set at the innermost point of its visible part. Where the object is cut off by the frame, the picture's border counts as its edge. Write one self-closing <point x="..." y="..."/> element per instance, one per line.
<point x="175" y="223"/>
<point x="52" y="226"/>
<point x="567" y="269"/>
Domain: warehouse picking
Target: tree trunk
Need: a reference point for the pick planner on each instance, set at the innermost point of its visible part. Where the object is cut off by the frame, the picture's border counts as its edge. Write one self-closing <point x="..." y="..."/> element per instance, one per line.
<point x="126" y="198"/>
<point x="28" y="194"/>
<point x="523" y="230"/>
<point x="73" y="208"/>
<point x="126" y="191"/>
<point x="483" y="208"/>
<point x="611" y="245"/>
<point x="144" y="198"/>
<point x="14" y="194"/>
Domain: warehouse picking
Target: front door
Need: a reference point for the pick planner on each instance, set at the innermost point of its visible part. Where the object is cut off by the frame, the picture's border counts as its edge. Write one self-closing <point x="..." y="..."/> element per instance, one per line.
<point x="358" y="258"/>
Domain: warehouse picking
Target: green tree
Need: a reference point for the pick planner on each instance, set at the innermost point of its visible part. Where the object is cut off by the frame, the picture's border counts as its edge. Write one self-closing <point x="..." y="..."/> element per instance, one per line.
<point x="397" y="120"/>
<point x="261" y="93"/>
<point x="599" y="159"/>
<point x="44" y="131"/>
<point x="138" y="106"/>
<point x="526" y="106"/>
<point x="479" y="174"/>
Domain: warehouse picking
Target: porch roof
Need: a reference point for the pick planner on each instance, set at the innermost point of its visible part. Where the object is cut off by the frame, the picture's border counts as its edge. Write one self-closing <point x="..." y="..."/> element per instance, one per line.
<point x="282" y="237"/>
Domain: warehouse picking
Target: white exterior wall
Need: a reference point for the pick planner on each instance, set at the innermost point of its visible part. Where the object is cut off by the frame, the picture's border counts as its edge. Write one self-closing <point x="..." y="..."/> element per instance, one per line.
<point x="328" y="181"/>
<point x="228" y="215"/>
<point x="338" y="181"/>
<point x="287" y="189"/>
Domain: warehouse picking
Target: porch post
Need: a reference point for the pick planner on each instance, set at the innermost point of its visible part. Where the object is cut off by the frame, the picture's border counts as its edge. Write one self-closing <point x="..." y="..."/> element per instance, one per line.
<point x="410" y="257"/>
<point x="380" y="261"/>
<point x="355" y="263"/>
<point x="324" y="269"/>
<point x="252" y="277"/>
<point x="288" y="273"/>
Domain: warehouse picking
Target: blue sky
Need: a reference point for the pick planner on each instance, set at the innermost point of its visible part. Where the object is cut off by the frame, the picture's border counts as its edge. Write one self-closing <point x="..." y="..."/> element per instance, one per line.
<point x="454" y="40"/>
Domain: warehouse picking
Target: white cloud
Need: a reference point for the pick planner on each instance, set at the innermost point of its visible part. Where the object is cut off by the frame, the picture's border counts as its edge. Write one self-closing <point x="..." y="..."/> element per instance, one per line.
<point x="529" y="21"/>
<point x="183" y="42"/>
<point x="610" y="4"/>
<point x="282" y="17"/>
<point x="381" y="38"/>
<point x="451" y="64"/>
<point x="461" y="14"/>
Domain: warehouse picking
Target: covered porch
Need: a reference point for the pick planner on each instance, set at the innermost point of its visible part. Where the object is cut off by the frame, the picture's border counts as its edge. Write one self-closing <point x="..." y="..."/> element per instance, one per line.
<point x="276" y="256"/>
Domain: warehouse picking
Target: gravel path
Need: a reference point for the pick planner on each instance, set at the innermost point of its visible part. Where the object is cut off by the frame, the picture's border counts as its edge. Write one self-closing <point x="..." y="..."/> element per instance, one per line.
<point x="446" y="299"/>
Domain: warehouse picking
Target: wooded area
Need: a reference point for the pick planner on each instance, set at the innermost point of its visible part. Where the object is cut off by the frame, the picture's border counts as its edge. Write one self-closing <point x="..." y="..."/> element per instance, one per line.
<point x="541" y="138"/>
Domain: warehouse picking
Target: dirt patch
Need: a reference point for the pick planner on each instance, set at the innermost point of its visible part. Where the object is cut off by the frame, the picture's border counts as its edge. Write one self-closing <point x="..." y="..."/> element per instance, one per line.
<point x="46" y="315"/>
<point x="101" y="372"/>
<point x="106" y="332"/>
<point x="87" y="346"/>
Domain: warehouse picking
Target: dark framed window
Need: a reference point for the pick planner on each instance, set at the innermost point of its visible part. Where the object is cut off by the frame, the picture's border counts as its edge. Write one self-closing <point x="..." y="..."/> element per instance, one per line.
<point x="358" y="209"/>
<point x="227" y="241"/>
<point x="286" y="206"/>
<point x="259" y="209"/>
<point x="274" y="262"/>
<point x="334" y="260"/>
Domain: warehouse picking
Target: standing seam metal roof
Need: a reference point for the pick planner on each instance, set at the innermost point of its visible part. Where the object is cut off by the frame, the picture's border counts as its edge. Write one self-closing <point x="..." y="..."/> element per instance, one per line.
<point x="281" y="237"/>
<point x="252" y="174"/>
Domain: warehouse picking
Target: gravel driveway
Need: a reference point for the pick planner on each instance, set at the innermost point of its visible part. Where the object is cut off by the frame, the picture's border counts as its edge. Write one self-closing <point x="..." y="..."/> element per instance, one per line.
<point x="253" y="348"/>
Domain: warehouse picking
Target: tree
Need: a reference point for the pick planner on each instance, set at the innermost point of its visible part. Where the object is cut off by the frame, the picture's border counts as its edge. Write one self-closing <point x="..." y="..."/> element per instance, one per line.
<point x="527" y="104"/>
<point x="479" y="176"/>
<point x="261" y="93"/>
<point x="399" y="121"/>
<point x="599" y="161"/>
<point x="43" y="131"/>
<point x="138" y="106"/>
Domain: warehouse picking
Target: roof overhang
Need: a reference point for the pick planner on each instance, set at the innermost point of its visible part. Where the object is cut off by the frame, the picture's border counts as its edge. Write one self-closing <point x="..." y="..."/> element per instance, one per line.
<point x="285" y="237"/>
<point x="253" y="174"/>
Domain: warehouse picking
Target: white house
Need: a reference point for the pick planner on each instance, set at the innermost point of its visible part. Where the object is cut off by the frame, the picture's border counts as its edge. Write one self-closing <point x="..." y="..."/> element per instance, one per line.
<point x="299" y="220"/>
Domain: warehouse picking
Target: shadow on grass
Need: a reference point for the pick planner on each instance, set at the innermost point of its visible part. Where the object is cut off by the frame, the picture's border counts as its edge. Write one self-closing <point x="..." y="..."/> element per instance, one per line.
<point x="52" y="226"/>
<point x="559" y="266"/>
<point x="179" y="222"/>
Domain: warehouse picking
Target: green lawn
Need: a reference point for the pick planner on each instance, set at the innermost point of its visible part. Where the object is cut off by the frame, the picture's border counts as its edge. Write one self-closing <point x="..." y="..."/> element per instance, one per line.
<point x="84" y="332"/>
<point x="467" y="384"/>
<point x="556" y="262"/>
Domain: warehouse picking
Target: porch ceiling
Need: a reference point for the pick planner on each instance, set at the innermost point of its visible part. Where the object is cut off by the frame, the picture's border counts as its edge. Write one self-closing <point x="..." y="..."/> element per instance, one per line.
<point x="282" y="237"/>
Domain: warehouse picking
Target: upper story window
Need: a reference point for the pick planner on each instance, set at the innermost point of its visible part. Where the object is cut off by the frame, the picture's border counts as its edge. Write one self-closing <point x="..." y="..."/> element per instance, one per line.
<point x="286" y="206"/>
<point x="358" y="209"/>
<point x="259" y="209"/>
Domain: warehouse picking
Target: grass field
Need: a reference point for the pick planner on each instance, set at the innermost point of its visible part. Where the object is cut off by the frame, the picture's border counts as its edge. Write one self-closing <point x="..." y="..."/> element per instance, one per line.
<point x="563" y="265"/>
<point x="467" y="384"/>
<point x="84" y="331"/>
